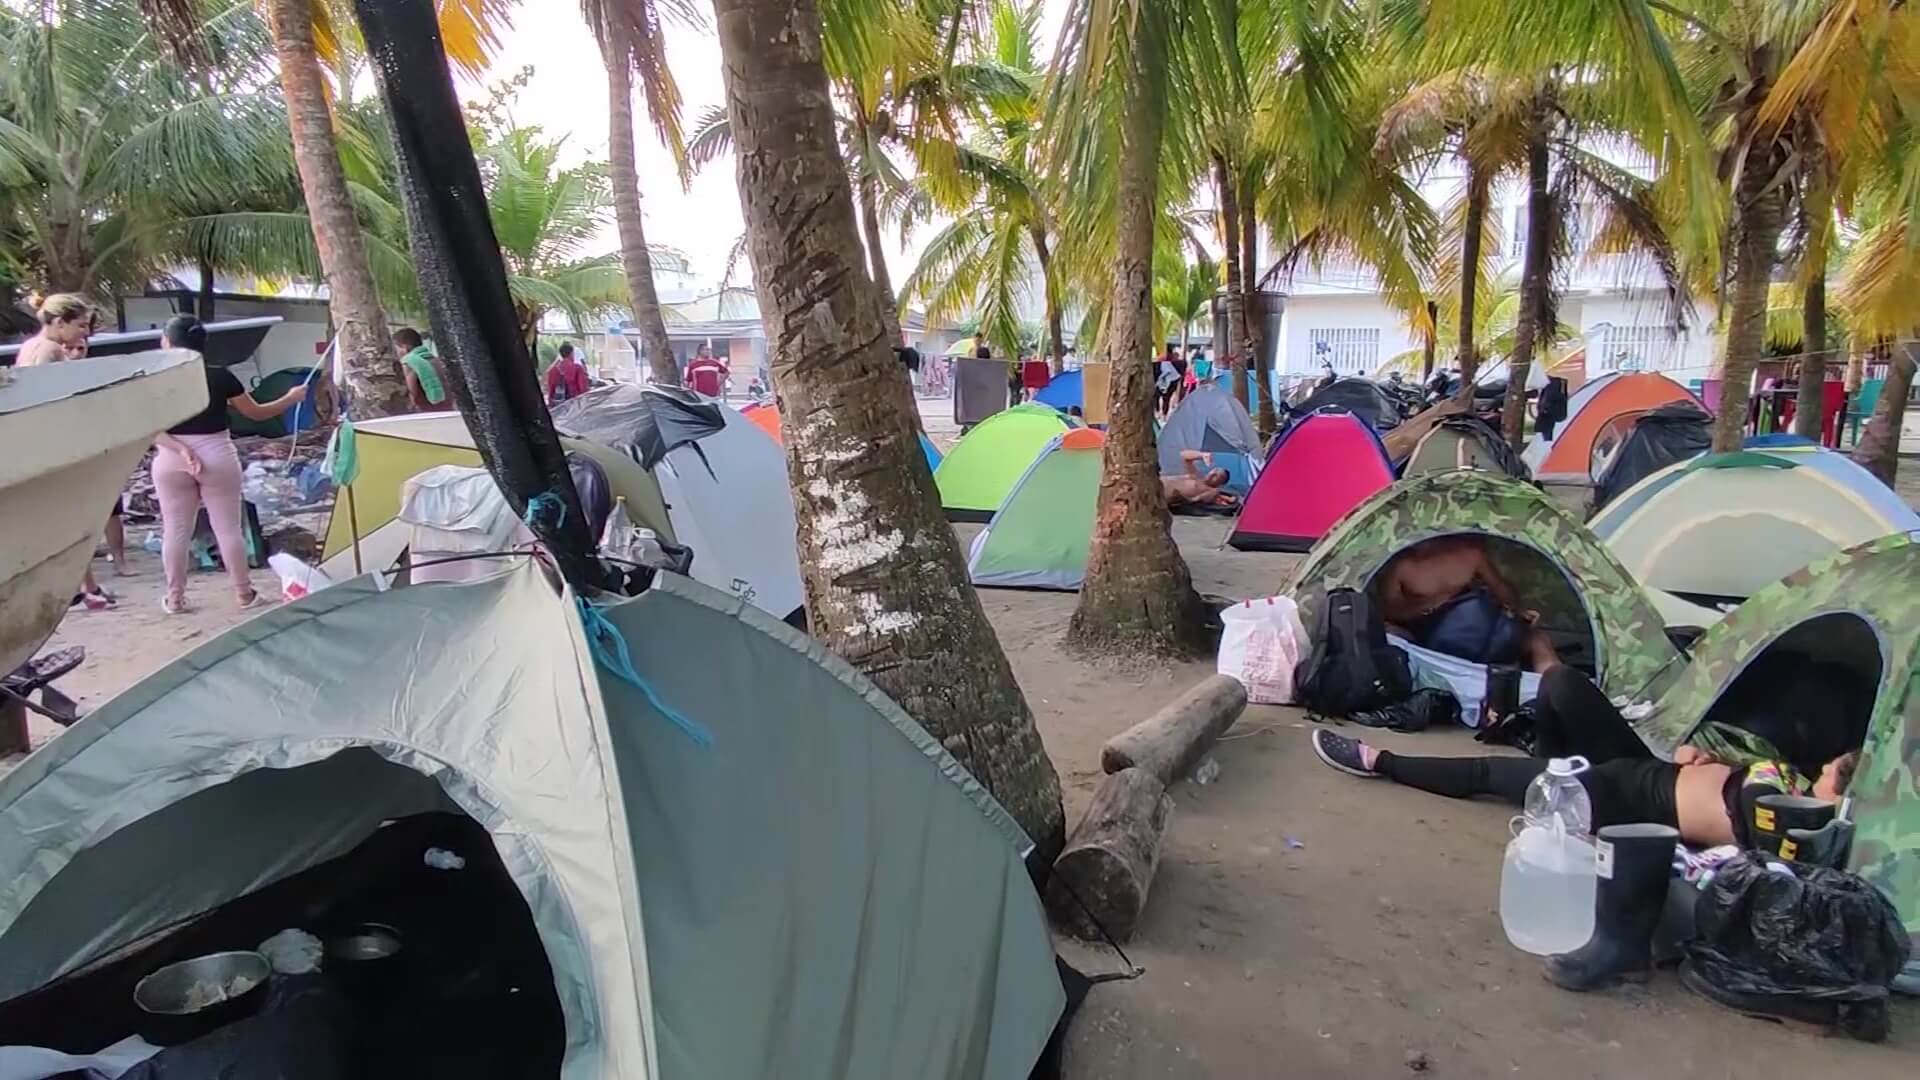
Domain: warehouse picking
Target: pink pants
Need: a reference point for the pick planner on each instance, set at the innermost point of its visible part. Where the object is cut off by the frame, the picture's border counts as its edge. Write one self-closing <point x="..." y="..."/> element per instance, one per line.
<point x="180" y="494"/>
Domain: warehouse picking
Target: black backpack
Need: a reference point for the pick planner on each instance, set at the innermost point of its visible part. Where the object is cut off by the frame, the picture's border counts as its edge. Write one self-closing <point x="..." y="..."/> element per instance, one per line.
<point x="1350" y="667"/>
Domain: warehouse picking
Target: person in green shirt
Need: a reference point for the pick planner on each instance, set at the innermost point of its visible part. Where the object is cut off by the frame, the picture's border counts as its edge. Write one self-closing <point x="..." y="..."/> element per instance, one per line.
<point x="425" y="388"/>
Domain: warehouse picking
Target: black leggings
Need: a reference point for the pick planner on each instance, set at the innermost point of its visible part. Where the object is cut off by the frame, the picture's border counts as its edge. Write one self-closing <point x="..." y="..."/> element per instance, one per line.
<point x="1623" y="791"/>
<point x="1572" y="717"/>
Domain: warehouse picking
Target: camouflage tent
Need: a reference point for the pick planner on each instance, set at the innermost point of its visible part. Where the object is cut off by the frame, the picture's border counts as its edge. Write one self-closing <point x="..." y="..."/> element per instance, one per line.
<point x="1856" y="607"/>
<point x="1597" y="614"/>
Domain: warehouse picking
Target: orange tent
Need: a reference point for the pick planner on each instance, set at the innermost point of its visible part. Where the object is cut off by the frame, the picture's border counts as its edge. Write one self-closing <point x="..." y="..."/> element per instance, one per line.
<point x="766" y="418"/>
<point x="1569" y="457"/>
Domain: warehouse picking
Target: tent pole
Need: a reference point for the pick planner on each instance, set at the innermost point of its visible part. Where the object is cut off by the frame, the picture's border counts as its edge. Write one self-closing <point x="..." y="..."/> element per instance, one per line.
<point x="353" y="526"/>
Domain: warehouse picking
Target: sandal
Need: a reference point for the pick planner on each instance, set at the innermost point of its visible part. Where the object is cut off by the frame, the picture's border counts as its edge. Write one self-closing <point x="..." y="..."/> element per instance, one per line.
<point x="253" y="599"/>
<point x="173" y="606"/>
<point x="99" y="600"/>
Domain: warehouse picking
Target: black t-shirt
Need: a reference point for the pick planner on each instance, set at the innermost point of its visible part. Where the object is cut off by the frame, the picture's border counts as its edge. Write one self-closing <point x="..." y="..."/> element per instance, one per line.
<point x="222" y="385"/>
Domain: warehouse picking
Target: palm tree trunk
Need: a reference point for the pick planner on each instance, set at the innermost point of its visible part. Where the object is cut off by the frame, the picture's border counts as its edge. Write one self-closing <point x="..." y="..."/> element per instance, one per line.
<point x="1478" y="183"/>
<point x="1431" y="341"/>
<point x="1813" y="359"/>
<point x="1758" y="211"/>
<point x="1879" y="449"/>
<point x="876" y="244"/>
<point x="1236" y="313"/>
<point x="1137" y="595"/>
<point x="1253" y="321"/>
<point x="366" y="350"/>
<point x="1056" y="333"/>
<point x="624" y="178"/>
<point x="1534" y="284"/>
<point x="886" y="585"/>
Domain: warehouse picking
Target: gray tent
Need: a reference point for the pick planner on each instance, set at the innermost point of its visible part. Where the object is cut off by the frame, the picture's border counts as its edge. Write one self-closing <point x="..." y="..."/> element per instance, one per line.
<point x="1212" y="420"/>
<point x="749" y="864"/>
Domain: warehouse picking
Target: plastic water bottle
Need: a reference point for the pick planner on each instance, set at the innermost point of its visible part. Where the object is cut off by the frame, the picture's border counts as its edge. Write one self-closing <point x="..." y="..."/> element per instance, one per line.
<point x="1547" y="879"/>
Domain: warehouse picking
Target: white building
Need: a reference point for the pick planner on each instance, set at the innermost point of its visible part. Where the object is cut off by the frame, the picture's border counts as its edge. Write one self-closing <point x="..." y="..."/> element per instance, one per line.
<point x="1615" y="304"/>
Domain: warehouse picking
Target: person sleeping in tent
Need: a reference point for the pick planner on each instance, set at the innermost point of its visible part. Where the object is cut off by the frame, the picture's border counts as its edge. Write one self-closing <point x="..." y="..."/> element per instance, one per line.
<point x="1192" y="488"/>
<point x="1445" y="594"/>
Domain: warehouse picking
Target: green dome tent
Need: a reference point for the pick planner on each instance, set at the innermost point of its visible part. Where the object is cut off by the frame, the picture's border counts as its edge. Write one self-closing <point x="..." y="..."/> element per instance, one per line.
<point x="981" y="469"/>
<point x="1858" y="609"/>
<point x="769" y="876"/>
<point x="1595" y="612"/>
<point x="1039" y="537"/>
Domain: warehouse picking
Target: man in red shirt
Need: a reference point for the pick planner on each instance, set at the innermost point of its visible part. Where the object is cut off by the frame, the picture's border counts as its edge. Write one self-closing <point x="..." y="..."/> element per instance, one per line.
<point x="706" y="374"/>
<point x="567" y="378"/>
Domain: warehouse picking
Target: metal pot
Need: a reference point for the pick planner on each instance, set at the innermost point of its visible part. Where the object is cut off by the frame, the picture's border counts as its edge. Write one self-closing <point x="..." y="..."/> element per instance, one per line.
<point x="169" y="1013"/>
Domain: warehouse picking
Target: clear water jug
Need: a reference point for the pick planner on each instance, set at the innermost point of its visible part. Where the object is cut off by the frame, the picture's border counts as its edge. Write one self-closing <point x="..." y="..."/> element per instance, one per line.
<point x="1547" y="879"/>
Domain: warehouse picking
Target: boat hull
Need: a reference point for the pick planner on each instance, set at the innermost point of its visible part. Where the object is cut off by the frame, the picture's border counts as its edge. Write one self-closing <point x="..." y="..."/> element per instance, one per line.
<point x="70" y="433"/>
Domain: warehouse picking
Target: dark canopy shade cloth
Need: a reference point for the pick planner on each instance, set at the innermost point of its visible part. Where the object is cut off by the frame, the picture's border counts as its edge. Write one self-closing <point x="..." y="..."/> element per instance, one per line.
<point x="1318" y="470"/>
<point x="647" y="422"/>
<point x="1362" y="397"/>
<point x="979" y="389"/>
<point x="1659" y="438"/>
<point x="228" y="343"/>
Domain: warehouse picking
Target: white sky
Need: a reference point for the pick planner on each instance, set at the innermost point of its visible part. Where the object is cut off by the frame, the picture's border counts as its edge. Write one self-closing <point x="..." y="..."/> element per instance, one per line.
<point x="568" y="96"/>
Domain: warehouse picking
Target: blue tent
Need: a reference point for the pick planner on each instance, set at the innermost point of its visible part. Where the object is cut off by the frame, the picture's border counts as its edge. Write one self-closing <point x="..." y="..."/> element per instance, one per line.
<point x="932" y="451"/>
<point x="1062" y="393"/>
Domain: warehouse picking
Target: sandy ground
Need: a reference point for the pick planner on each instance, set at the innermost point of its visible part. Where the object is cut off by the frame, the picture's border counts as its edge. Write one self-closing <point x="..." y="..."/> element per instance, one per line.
<point x="1303" y="923"/>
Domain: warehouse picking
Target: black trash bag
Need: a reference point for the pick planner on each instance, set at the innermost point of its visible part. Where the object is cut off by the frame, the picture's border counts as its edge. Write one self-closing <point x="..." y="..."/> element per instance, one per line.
<point x="1767" y="929"/>
<point x="1423" y="710"/>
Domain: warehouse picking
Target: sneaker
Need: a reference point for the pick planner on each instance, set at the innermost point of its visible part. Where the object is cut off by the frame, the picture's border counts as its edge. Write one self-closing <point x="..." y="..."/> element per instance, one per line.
<point x="1342" y="753"/>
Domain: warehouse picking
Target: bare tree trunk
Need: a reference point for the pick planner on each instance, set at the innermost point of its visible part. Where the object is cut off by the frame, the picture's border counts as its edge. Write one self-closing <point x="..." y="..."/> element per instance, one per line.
<point x="1879" y="449"/>
<point x="203" y="303"/>
<point x="1236" y="311"/>
<point x="1469" y="359"/>
<point x="1137" y="595"/>
<point x="1056" y="334"/>
<point x="1431" y="342"/>
<point x="624" y="176"/>
<point x="1253" y="322"/>
<point x="366" y="350"/>
<point x="1534" y="283"/>
<point x="886" y="585"/>
<point x="876" y="249"/>
<point x="1758" y="210"/>
<point x="1813" y="360"/>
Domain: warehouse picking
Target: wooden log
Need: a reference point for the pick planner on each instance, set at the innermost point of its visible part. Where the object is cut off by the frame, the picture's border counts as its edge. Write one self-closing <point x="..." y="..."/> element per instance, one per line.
<point x="1172" y="741"/>
<point x="1109" y="860"/>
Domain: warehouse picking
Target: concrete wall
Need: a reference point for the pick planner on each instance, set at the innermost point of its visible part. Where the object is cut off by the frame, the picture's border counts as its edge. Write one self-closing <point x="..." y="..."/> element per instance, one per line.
<point x="1308" y="312"/>
<point x="296" y="342"/>
<point x="1631" y="330"/>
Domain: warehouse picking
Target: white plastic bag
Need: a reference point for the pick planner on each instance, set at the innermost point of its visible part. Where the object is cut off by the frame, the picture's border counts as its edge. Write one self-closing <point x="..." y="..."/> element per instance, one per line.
<point x="297" y="579"/>
<point x="1261" y="643"/>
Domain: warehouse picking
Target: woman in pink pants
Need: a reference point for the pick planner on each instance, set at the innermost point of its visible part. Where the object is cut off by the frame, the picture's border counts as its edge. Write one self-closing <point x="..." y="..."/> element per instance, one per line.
<point x="196" y="463"/>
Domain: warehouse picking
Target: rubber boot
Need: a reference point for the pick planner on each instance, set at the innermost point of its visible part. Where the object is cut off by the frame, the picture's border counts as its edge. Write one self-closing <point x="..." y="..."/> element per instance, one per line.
<point x="1631" y="894"/>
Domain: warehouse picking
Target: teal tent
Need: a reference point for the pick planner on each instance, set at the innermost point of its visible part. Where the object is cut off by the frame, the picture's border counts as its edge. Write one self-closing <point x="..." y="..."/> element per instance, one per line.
<point x="737" y="859"/>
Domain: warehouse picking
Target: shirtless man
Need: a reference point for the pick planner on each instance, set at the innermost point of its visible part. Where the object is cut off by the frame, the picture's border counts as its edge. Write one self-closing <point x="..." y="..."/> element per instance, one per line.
<point x="1423" y="579"/>
<point x="1192" y="486"/>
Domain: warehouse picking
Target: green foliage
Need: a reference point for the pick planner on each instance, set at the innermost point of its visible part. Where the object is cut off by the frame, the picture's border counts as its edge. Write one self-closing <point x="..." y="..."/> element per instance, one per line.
<point x="113" y="160"/>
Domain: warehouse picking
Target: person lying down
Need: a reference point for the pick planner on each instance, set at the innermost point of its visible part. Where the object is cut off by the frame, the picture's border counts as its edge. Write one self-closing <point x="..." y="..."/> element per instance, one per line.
<point x="1191" y="487"/>
<point x="1708" y="801"/>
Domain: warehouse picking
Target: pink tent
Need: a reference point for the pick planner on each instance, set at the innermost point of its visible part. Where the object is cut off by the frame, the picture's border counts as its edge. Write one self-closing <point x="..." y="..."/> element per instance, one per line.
<point x="1318" y="469"/>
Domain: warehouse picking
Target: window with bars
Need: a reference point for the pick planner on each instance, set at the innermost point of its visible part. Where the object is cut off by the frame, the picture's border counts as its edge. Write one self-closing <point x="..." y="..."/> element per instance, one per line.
<point x="1351" y="350"/>
<point x="1519" y="232"/>
<point x="1637" y="348"/>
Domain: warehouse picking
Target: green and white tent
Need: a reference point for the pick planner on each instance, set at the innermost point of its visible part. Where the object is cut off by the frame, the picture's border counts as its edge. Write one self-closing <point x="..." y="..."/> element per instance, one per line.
<point x="749" y="863"/>
<point x="1597" y="614"/>
<point x="978" y="473"/>
<point x="1039" y="537"/>
<point x="1859" y="609"/>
